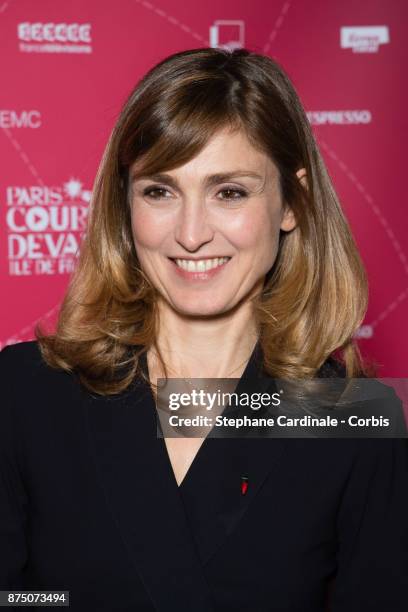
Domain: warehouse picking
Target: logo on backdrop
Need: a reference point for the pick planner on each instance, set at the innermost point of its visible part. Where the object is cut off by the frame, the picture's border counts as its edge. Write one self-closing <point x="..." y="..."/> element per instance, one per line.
<point x="364" y="39"/>
<point x="364" y="331"/>
<point x="45" y="226"/>
<point x="19" y="119"/>
<point x="54" y="37"/>
<point x="227" y="34"/>
<point x="339" y="117"/>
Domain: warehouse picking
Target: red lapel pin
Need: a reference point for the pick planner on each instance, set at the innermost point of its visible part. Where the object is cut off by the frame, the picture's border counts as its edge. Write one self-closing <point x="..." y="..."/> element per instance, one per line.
<point x="244" y="484"/>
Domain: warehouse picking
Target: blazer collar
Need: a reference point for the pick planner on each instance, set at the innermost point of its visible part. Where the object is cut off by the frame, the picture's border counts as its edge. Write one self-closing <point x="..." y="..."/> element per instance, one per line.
<point x="141" y="493"/>
<point x="170" y="532"/>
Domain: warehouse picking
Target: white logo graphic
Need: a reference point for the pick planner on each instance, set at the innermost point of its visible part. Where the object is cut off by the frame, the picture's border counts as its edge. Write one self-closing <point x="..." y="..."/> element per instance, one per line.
<point x="23" y="119"/>
<point x="339" y="117"/>
<point x="45" y="227"/>
<point x="364" y="331"/>
<point x="54" y="37"/>
<point x="227" y="34"/>
<point x="364" y="39"/>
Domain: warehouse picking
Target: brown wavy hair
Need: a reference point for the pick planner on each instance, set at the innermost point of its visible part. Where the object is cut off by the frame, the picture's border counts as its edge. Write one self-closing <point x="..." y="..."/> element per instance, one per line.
<point x="315" y="295"/>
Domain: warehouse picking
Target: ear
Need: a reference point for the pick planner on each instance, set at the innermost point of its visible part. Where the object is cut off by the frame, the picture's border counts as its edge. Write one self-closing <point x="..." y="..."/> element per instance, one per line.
<point x="301" y="174"/>
<point x="288" y="222"/>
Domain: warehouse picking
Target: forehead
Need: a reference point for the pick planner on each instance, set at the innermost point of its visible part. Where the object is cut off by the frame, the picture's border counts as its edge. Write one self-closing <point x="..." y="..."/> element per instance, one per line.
<point x="226" y="151"/>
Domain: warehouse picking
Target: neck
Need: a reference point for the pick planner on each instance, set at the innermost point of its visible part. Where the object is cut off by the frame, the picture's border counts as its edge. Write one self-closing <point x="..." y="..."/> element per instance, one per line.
<point x="204" y="347"/>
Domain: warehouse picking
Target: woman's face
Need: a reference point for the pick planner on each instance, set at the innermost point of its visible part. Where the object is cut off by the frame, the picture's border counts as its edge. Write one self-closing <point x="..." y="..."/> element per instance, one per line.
<point x="207" y="233"/>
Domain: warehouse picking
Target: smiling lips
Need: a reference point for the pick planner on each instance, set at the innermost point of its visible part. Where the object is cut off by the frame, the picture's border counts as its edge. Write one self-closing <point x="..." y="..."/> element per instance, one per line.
<point x="200" y="268"/>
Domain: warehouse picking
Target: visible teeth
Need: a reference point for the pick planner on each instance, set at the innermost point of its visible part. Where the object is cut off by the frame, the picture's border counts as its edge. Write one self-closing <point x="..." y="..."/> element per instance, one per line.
<point x="202" y="265"/>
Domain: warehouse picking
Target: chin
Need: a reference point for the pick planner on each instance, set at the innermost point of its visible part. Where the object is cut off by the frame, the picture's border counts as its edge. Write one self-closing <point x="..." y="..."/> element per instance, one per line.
<point x="199" y="309"/>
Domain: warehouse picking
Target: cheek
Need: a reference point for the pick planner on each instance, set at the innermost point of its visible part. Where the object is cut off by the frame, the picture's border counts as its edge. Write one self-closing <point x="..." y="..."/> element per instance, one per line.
<point x="256" y="230"/>
<point x="147" y="229"/>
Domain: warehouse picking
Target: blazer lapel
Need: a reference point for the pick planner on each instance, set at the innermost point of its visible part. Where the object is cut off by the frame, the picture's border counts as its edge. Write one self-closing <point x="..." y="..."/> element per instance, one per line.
<point x="144" y="499"/>
<point x="212" y="488"/>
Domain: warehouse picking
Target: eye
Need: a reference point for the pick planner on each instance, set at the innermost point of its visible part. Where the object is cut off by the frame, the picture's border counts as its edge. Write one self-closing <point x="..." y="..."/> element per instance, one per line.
<point x="233" y="194"/>
<point x="156" y="193"/>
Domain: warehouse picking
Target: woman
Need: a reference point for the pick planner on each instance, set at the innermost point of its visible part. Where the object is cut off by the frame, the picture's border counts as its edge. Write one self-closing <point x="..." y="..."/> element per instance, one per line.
<point x="216" y="248"/>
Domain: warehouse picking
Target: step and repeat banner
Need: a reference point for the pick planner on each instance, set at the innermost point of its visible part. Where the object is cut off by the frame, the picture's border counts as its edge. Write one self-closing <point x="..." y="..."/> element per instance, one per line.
<point x="67" y="68"/>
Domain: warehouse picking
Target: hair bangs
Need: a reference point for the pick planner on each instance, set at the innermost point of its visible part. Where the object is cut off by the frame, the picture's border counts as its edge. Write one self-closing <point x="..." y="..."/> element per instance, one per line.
<point x="178" y="129"/>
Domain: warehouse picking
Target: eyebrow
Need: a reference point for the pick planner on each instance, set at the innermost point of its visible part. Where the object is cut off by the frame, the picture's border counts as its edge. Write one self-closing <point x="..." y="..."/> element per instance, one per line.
<point x="209" y="179"/>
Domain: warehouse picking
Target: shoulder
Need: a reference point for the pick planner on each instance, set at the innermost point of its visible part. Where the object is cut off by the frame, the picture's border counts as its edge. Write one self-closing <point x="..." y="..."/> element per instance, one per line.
<point x="41" y="411"/>
<point x="23" y="359"/>
<point x="25" y="374"/>
<point x="21" y="354"/>
<point x="41" y="407"/>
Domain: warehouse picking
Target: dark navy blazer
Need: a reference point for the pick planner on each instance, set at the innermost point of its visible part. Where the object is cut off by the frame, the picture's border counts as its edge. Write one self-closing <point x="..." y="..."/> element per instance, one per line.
<point x="89" y="503"/>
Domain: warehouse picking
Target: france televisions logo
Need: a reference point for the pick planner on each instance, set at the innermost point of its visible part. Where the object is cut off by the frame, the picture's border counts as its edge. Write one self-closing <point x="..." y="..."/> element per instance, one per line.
<point x="52" y="37"/>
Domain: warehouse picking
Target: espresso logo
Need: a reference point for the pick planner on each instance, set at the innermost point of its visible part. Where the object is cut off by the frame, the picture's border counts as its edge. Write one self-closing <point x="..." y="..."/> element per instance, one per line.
<point x="339" y="117"/>
<point x="45" y="226"/>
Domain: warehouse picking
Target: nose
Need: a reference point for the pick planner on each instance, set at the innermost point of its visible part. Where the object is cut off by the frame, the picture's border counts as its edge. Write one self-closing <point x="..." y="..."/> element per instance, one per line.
<point x="193" y="229"/>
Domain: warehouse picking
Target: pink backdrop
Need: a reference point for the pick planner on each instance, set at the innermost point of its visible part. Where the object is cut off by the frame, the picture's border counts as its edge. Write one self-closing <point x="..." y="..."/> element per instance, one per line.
<point x="67" y="67"/>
